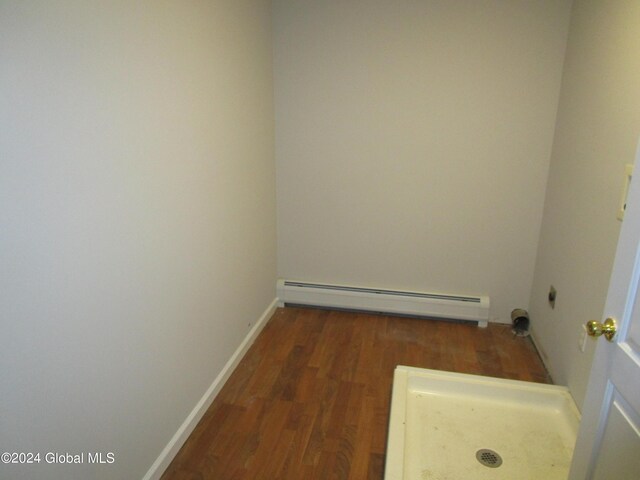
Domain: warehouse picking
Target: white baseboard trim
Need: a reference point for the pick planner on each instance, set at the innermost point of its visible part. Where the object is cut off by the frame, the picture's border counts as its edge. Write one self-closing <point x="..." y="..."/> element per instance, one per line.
<point x="190" y="423"/>
<point x="541" y="353"/>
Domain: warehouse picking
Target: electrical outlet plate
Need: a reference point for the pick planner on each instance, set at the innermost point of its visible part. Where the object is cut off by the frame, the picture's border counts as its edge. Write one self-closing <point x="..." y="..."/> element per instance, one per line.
<point x="628" y="173"/>
<point x="582" y="339"/>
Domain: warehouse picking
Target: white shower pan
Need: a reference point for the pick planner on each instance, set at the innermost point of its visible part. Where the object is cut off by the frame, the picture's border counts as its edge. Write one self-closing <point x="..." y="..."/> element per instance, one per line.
<point x="447" y="425"/>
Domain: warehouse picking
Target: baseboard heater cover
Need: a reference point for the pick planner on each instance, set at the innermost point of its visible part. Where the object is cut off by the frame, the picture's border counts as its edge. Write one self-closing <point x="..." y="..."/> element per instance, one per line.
<point x="437" y="305"/>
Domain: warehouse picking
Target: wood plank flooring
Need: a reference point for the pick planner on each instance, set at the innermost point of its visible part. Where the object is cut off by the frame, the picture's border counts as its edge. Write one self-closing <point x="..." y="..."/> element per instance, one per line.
<point x="310" y="399"/>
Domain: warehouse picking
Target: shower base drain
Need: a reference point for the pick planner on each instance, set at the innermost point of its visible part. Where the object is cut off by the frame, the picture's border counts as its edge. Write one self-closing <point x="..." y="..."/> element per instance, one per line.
<point x="489" y="458"/>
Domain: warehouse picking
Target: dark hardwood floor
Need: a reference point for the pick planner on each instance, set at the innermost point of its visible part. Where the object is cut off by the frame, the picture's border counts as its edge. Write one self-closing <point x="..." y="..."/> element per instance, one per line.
<point x="310" y="399"/>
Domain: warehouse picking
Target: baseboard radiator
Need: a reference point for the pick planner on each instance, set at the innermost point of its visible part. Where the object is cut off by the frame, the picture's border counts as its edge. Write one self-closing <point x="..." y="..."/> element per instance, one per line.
<point x="433" y="305"/>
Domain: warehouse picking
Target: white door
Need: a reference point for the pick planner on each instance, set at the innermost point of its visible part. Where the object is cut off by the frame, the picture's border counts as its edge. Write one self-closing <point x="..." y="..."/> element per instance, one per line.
<point x="608" y="444"/>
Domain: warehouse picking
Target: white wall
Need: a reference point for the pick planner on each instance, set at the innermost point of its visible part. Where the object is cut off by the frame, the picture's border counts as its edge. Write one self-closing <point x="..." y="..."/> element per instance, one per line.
<point x="413" y="141"/>
<point x="137" y="219"/>
<point x="597" y="132"/>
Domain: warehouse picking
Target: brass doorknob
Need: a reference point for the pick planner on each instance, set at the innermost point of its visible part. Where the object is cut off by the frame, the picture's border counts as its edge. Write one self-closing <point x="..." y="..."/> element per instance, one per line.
<point x="608" y="328"/>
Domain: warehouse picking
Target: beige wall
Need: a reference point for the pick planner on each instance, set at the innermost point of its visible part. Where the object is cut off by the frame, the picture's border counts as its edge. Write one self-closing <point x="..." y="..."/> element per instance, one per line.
<point x="413" y="141"/>
<point x="597" y="132"/>
<point x="137" y="219"/>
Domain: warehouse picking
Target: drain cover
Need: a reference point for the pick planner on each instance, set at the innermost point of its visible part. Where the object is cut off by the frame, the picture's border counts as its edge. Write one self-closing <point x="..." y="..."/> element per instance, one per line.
<point x="489" y="458"/>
